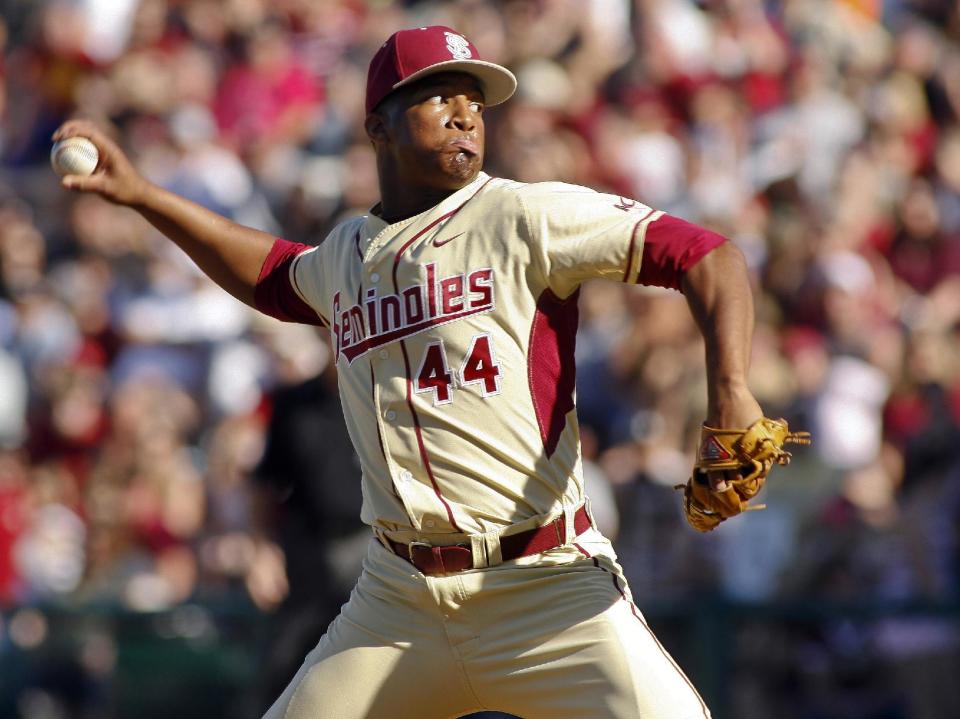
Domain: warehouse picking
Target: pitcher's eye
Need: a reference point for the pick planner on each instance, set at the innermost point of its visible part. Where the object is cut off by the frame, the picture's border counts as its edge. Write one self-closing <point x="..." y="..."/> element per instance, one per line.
<point x="476" y="106"/>
<point x="435" y="100"/>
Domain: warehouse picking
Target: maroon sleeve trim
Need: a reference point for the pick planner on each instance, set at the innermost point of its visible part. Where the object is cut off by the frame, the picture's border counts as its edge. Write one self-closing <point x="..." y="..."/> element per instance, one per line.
<point x="274" y="294"/>
<point x="671" y="248"/>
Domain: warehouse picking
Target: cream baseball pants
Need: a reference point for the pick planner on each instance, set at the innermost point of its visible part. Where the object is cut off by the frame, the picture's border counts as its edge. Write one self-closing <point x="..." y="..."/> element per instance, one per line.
<point x="555" y="635"/>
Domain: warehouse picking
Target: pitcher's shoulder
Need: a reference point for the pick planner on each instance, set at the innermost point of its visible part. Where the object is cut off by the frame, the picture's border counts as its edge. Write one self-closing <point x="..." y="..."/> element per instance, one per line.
<point x="342" y="237"/>
<point x="534" y="193"/>
<point x="346" y="230"/>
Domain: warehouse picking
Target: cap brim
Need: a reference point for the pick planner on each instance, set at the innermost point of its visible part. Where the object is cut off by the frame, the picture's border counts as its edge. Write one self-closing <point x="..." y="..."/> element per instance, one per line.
<point x="497" y="82"/>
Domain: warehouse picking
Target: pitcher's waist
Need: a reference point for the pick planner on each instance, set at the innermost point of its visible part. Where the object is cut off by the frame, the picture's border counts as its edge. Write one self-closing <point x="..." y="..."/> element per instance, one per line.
<point x="477" y="552"/>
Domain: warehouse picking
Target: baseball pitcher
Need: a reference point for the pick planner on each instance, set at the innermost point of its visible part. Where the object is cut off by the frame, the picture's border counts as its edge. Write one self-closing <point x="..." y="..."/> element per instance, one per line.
<point x="452" y="307"/>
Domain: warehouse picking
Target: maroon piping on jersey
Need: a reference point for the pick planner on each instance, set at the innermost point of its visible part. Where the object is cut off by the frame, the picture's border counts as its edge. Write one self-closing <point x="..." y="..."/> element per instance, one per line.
<point x="551" y="371"/>
<point x="636" y="614"/>
<point x="274" y="295"/>
<point x="424" y="456"/>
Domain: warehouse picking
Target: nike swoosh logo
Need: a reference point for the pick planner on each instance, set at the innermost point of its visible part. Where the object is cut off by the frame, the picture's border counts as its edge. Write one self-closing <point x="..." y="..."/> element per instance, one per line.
<point x="441" y="243"/>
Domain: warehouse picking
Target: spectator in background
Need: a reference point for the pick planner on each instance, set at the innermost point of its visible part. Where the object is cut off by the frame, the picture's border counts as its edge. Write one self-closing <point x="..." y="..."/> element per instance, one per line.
<point x="307" y="517"/>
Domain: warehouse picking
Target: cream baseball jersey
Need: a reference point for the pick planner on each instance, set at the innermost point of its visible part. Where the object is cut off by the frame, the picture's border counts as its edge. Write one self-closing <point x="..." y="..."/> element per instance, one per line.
<point x="454" y="335"/>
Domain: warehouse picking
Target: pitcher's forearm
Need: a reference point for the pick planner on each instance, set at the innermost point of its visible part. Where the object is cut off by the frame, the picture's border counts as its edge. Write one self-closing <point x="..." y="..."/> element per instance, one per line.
<point x="718" y="292"/>
<point x="230" y="254"/>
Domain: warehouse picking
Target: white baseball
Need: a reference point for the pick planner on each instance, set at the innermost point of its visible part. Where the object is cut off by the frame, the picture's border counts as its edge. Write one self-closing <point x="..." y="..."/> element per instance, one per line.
<point x="74" y="156"/>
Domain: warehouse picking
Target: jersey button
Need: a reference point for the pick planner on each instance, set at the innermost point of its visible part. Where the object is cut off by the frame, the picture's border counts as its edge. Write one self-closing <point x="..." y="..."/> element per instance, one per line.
<point x="391" y="415"/>
<point x="384" y="354"/>
<point x="374" y="277"/>
<point x="429" y="524"/>
<point x="405" y="476"/>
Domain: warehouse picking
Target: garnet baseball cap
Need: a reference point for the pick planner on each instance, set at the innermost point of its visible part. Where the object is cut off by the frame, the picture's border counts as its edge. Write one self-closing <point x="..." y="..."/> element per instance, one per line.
<point x="411" y="54"/>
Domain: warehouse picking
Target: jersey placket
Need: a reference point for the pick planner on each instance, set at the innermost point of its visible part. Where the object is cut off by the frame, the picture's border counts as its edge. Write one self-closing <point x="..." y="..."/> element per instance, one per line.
<point x="374" y="276"/>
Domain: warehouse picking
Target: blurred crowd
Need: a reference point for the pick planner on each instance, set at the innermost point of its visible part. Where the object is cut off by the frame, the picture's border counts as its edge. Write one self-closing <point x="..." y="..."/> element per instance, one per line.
<point x="822" y="136"/>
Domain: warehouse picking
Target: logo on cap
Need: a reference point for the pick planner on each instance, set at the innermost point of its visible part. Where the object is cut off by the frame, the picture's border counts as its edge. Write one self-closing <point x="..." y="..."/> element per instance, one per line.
<point x="458" y="46"/>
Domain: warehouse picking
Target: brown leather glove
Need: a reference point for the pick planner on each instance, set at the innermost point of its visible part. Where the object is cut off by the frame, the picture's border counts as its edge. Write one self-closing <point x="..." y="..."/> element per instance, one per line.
<point x="746" y="457"/>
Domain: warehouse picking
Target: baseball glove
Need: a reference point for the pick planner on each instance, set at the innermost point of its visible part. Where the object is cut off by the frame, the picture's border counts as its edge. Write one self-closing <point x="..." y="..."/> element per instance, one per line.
<point x="746" y="457"/>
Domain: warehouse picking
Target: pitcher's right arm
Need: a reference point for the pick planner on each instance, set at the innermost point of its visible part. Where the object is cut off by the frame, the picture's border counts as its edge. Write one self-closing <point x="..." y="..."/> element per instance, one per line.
<point x="230" y="254"/>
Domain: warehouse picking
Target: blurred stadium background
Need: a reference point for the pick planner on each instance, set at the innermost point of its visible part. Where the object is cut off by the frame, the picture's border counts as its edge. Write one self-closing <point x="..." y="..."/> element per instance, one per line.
<point x="149" y="424"/>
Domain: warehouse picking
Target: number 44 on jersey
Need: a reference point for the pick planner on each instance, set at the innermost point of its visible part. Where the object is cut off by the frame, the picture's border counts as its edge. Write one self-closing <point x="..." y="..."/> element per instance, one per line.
<point x="479" y="367"/>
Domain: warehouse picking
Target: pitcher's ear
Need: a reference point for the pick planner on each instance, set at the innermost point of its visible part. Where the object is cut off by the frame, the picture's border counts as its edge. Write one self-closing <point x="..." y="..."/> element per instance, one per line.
<point x="376" y="128"/>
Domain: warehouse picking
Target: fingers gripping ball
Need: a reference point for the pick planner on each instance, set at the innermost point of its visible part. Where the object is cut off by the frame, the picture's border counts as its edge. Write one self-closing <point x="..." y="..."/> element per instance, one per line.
<point x="746" y="456"/>
<point x="74" y="156"/>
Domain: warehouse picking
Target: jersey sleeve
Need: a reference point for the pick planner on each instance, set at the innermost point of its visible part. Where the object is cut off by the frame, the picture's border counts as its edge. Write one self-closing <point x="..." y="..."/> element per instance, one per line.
<point x="278" y="291"/>
<point x="307" y="275"/>
<point x="582" y="234"/>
